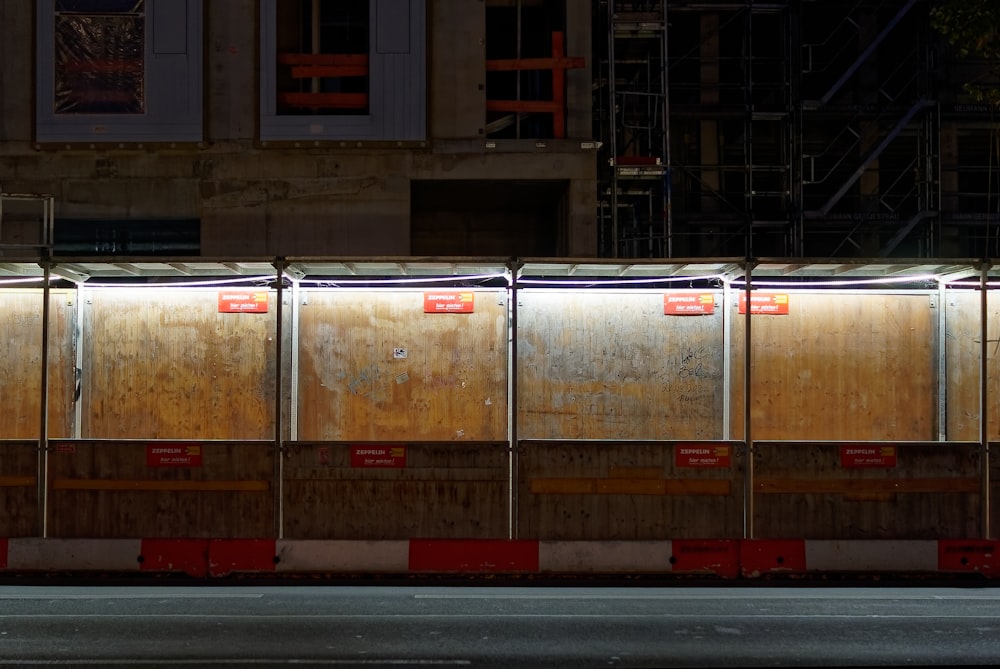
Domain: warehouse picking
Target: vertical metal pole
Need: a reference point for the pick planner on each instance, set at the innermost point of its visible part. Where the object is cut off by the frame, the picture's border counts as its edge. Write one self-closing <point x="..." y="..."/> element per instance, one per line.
<point x="748" y="529"/>
<point x="279" y="363"/>
<point x="293" y="391"/>
<point x="942" y="366"/>
<point x="43" y="427"/>
<point x="727" y="361"/>
<point x="512" y="400"/>
<point x="984" y="423"/>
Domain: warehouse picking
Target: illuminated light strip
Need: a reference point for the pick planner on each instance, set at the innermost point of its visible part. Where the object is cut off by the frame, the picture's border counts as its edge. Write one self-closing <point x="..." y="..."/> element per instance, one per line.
<point x="33" y="279"/>
<point x="839" y="282"/>
<point x="185" y="284"/>
<point x="333" y="282"/>
<point x="609" y="282"/>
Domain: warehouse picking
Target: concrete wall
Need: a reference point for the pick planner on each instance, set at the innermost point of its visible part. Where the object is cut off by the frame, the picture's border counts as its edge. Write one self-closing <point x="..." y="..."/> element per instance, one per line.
<point x="298" y="198"/>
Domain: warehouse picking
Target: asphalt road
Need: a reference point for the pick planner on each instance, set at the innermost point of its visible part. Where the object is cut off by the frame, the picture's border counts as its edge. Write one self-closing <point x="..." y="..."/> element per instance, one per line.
<point x="437" y="626"/>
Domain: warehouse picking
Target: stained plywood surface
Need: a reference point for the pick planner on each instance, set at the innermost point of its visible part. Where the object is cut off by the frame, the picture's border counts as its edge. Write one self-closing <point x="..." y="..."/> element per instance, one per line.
<point x="374" y="366"/>
<point x="443" y="490"/>
<point x="964" y="350"/>
<point x="110" y="489"/>
<point x="805" y="490"/>
<point x="840" y="366"/>
<point x="165" y="364"/>
<point x="21" y="314"/>
<point x="19" y="489"/>
<point x="609" y="365"/>
<point x="569" y="490"/>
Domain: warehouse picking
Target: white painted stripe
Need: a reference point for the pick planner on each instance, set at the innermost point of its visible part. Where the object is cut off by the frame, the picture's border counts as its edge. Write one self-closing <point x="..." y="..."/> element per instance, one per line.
<point x="342" y="556"/>
<point x="31" y="554"/>
<point x="604" y="556"/>
<point x="863" y="555"/>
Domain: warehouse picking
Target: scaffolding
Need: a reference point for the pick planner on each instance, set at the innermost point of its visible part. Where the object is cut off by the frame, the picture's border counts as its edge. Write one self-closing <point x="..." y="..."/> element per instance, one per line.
<point x="789" y="128"/>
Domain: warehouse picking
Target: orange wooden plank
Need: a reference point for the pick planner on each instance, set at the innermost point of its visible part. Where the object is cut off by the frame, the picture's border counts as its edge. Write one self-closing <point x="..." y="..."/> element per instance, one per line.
<point x="630" y="487"/>
<point x="17" y="481"/>
<point x="328" y="100"/>
<point x="152" y="485"/>
<point x="707" y="487"/>
<point x="564" y="486"/>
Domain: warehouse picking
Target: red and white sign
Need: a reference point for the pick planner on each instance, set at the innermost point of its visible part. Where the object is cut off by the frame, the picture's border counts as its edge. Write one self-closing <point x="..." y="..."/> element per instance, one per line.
<point x="856" y="456"/>
<point x="63" y="447"/>
<point x="774" y="304"/>
<point x="702" y="455"/>
<point x="173" y="455"/>
<point x="449" y="301"/>
<point x="378" y="456"/>
<point x="688" y="304"/>
<point x="237" y="302"/>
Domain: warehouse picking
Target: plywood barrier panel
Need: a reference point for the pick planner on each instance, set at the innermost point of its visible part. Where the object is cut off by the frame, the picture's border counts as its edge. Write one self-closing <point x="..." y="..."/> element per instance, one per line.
<point x="396" y="490"/>
<point x="168" y="364"/>
<point x="119" y="489"/>
<point x="19" y="489"/>
<point x="21" y="359"/>
<point x="840" y="366"/>
<point x="962" y="350"/>
<point x="993" y="490"/>
<point x="373" y="365"/>
<point x="866" y="490"/>
<point x="570" y="490"/>
<point x="612" y="365"/>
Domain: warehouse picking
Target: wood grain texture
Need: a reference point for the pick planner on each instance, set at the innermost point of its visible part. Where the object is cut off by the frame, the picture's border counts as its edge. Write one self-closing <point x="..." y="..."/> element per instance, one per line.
<point x="108" y="489"/>
<point x="609" y="365"/>
<point x="856" y="366"/>
<point x="19" y="489"/>
<point x="804" y="490"/>
<point x="569" y="490"/>
<point x="449" y="385"/>
<point x="20" y="363"/>
<point x="165" y="364"/>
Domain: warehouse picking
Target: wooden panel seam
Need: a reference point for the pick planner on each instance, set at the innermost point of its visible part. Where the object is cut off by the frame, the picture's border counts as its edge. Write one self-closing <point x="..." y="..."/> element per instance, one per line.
<point x="151" y="485"/>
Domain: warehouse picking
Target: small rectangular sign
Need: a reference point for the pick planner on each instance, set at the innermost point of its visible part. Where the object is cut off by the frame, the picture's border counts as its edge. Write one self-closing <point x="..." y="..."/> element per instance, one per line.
<point x="854" y="456"/>
<point x="239" y="302"/>
<point x="378" y="456"/>
<point x="774" y="304"/>
<point x="702" y="455"/>
<point x="449" y="301"/>
<point x="688" y="304"/>
<point x="173" y="455"/>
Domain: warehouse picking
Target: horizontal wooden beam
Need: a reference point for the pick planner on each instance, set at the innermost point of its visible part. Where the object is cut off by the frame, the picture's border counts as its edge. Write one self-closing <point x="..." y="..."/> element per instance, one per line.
<point x="17" y="481"/>
<point x="518" y="64"/>
<point x="323" y="59"/>
<point x="310" y="71"/>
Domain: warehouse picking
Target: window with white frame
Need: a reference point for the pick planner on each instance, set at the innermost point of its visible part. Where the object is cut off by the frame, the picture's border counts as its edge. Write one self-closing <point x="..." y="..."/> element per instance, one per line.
<point x="119" y="70"/>
<point x="344" y="69"/>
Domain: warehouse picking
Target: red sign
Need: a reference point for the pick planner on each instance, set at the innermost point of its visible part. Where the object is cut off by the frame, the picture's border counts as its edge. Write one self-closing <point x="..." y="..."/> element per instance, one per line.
<point x="688" y="304"/>
<point x="378" y="456"/>
<point x="860" y="455"/>
<point x="702" y="455"/>
<point x="65" y="448"/>
<point x="449" y="301"/>
<point x="236" y="302"/>
<point x="775" y="304"/>
<point x="173" y="455"/>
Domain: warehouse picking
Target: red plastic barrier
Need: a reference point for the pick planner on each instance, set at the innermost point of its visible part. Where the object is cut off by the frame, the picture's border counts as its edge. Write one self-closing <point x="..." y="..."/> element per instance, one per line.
<point x="772" y="556"/>
<point x="715" y="556"/>
<point x="472" y="555"/>
<point x="965" y="555"/>
<point x="184" y="555"/>
<point x="240" y="555"/>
